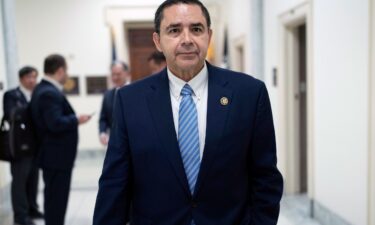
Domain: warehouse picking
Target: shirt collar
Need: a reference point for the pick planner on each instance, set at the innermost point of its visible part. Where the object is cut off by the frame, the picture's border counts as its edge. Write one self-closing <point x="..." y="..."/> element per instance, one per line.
<point x="197" y="83"/>
<point x="25" y="92"/>
<point x="54" y="82"/>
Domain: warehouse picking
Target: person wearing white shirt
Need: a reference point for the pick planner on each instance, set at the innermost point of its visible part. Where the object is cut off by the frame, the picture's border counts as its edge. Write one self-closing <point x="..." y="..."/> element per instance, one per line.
<point x="25" y="173"/>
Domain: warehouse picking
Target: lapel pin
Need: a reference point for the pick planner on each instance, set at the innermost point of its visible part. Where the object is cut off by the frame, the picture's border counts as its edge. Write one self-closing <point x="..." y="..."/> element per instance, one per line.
<point x="224" y="101"/>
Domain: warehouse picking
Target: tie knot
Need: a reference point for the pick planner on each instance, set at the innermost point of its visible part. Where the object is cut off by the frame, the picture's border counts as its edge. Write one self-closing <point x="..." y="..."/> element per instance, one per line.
<point x="186" y="90"/>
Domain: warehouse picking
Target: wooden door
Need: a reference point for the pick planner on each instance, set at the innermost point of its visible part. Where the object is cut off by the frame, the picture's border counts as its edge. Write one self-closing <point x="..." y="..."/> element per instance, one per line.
<point x="141" y="46"/>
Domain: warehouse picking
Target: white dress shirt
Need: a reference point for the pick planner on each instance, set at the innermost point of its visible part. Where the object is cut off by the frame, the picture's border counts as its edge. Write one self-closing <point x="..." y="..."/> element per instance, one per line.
<point x="54" y="82"/>
<point x="199" y="84"/>
<point x="26" y="93"/>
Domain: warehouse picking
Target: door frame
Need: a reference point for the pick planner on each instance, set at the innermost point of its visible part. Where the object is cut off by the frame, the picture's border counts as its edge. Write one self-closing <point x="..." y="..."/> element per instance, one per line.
<point x="135" y="26"/>
<point x="371" y="132"/>
<point x="288" y="22"/>
<point x="118" y="18"/>
<point x="238" y="62"/>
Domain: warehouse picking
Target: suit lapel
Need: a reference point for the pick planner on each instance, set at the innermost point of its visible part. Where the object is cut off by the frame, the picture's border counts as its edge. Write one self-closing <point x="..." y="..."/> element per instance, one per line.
<point x="216" y="119"/>
<point x="159" y="102"/>
<point x="21" y="96"/>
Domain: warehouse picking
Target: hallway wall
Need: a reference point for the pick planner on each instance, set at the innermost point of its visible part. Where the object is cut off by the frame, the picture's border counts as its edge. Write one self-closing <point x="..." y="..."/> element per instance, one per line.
<point x="237" y="17"/>
<point x="3" y="166"/>
<point x="340" y="78"/>
<point x="272" y="10"/>
<point x="341" y="67"/>
<point x="238" y="25"/>
<point x="78" y="30"/>
<point x="2" y="63"/>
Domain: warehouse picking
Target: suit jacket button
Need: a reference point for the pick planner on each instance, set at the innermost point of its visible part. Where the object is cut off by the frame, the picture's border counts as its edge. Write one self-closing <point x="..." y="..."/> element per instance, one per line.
<point x="194" y="204"/>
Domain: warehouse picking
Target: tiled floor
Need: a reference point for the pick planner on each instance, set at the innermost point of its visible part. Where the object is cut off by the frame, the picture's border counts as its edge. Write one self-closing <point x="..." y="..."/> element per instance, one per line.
<point x="294" y="209"/>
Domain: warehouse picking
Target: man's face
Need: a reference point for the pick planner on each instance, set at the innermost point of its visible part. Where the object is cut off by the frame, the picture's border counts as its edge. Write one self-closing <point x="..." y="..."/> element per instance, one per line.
<point x="184" y="38"/>
<point x="63" y="74"/>
<point x="118" y="75"/>
<point x="29" y="80"/>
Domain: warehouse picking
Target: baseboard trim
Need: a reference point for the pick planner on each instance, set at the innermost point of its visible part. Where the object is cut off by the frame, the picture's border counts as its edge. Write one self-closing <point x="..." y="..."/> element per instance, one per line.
<point x="325" y="216"/>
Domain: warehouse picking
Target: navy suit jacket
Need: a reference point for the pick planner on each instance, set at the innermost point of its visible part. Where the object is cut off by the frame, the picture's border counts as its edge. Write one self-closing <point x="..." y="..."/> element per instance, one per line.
<point x="56" y="125"/>
<point x="238" y="181"/>
<point x="105" y="120"/>
<point x="13" y="98"/>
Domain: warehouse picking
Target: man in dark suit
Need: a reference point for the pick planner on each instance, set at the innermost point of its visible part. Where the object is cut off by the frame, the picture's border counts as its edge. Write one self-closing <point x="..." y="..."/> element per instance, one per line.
<point x="57" y="126"/>
<point x="194" y="144"/>
<point x="25" y="174"/>
<point x="120" y="76"/>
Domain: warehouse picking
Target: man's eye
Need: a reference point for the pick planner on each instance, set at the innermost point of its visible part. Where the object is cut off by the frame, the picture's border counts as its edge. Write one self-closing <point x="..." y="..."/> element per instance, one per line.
<point x="197" y="29"/>
<point x="173" y="31"/>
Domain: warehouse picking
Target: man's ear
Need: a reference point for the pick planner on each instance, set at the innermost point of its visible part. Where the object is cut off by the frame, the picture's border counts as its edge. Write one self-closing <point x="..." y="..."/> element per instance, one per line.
<point x="209" y="35"/>
<point x="156" y="39"/>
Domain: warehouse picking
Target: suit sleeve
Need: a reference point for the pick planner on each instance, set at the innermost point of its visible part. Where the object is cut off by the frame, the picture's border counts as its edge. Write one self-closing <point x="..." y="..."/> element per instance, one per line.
<point x="51" y="106"/>
<point x="114" y="195"/>
<point x="265" y="179"/>
<point x="9" y="102"/>
<point x="103" y="120"/>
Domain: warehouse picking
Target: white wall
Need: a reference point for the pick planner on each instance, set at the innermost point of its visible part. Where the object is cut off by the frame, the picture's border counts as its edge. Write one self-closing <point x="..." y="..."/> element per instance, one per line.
<point x="76" y="29"/>
<point x="341" y="67"/>
<point x="4" y="167"/>
<point x="2" y="64"/>
<point x="340" y="76"/>
<point x="238" y="24"/>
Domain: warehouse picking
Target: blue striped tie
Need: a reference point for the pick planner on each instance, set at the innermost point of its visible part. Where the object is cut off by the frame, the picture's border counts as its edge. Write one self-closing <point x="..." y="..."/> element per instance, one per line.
<point x="188" y="136"/>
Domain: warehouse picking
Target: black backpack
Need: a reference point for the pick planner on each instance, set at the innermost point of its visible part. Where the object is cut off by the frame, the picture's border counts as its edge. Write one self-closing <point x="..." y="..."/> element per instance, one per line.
<point x="19" y="139"/>
<point x="6" y="153"/>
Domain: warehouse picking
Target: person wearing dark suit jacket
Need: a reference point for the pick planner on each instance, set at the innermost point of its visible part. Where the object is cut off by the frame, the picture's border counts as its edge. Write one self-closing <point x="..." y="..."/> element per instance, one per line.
<point x="193" y="144"/>
<point x="57" y="126"/>
<point x="120" y="76"/>
<point x="25" y="173"/>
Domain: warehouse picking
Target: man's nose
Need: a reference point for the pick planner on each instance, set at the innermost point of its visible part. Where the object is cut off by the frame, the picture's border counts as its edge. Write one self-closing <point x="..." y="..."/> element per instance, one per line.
<point x="186" y="37"/>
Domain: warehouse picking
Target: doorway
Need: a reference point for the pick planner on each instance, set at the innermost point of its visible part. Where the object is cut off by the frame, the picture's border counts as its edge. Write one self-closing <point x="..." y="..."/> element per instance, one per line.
<point x="296" y="101"/>
<point x="141" y="46"/>
<point x="239" y="54"/>
<point x="301" y="102"/>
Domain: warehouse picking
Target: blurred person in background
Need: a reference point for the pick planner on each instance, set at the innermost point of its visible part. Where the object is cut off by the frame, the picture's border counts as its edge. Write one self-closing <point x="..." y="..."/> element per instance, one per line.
<point x="120" y="76"/>
<point x="57" y="126"/>
<point x="156" y="62"/>
<point x="25" y="173"/>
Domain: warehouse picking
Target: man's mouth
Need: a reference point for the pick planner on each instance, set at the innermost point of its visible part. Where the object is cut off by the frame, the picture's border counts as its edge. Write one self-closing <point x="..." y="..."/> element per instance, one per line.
<point x="186" y="53"/>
